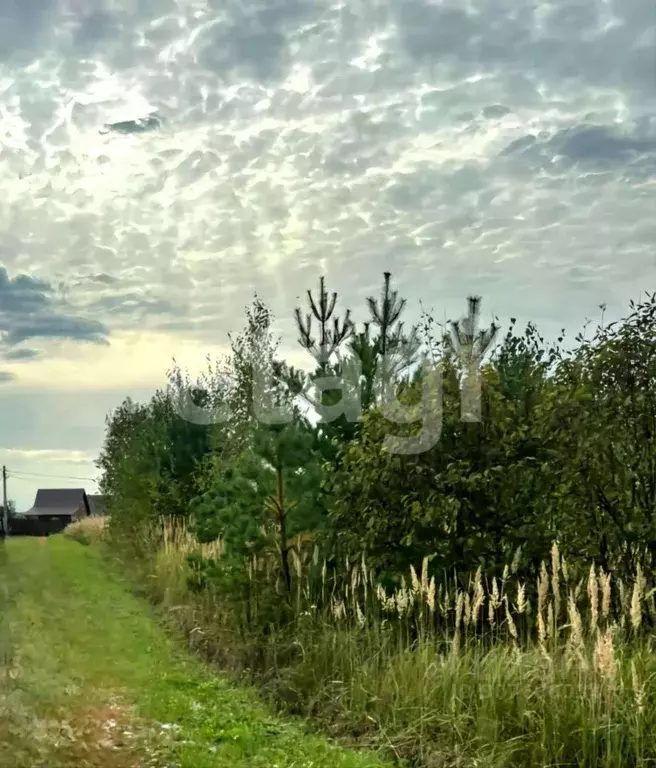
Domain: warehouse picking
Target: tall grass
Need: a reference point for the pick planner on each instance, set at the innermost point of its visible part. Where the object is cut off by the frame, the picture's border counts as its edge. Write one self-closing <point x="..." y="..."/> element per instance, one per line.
<point x="172" y="556"/>
<point x="502" y="672"/>
<point x="88" y="529"/>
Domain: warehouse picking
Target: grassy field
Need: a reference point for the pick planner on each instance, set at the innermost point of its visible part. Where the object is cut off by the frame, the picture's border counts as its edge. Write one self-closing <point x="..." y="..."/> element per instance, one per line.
<point x="89" y="678"/>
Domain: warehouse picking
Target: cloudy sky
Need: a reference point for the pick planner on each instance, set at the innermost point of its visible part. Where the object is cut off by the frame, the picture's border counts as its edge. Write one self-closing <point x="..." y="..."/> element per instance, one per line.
<point x="503" y="147"/>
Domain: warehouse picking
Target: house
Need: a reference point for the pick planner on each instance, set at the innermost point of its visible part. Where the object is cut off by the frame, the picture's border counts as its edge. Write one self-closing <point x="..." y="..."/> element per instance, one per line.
<point x="97" y="504"/>
<point x="54" y="509"/>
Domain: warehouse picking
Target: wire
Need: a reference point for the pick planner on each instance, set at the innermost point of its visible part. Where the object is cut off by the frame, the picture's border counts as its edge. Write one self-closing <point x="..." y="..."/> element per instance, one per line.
<point x="21" y="476"/>
<point x="14" y="477"/>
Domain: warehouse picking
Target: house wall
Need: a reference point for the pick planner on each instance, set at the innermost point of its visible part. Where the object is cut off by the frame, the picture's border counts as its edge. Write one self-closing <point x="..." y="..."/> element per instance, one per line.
<point x="57" y="525"/>
<point x="38" y="526"/>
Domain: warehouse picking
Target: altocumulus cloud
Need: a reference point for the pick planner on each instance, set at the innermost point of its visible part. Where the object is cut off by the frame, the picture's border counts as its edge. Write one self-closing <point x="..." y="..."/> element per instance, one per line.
<point x="502" y="147"/>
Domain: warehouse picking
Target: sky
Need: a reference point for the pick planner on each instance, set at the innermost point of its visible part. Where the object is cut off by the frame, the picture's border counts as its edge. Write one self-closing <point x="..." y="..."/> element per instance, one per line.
<point x="505" y="148"/>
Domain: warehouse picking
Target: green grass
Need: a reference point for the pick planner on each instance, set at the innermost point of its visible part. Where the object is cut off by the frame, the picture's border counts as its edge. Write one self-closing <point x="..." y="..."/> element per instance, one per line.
<point x="77" y="649"/>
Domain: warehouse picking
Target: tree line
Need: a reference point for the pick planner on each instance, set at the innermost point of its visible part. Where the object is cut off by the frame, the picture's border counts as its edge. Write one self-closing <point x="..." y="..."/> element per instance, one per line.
<point x="533" y="442"/>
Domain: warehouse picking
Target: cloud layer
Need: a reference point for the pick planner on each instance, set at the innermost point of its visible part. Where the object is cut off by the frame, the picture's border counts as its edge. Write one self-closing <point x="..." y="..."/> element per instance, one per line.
<point x="496" y="146"/>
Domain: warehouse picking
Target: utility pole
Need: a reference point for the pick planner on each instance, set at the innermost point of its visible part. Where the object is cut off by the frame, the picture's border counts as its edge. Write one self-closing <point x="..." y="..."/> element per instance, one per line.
<point x="5" y="511"/>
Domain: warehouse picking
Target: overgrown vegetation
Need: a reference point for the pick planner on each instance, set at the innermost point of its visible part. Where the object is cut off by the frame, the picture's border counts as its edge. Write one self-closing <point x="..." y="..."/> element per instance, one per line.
<point x="453" y="561"/>
<point x="87" y="530"/>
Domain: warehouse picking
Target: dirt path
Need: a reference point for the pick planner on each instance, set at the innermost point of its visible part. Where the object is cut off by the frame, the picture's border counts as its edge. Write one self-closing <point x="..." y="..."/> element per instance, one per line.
<point x="89" y="678"/>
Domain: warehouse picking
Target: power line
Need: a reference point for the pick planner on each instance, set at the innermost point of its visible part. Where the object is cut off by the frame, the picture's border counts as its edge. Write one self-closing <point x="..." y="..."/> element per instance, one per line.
<point x="26" y="475"/>
<point x="34" y="478"/>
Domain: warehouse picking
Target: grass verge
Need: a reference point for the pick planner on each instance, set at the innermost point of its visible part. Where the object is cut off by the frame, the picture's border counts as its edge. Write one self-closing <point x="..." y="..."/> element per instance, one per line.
<point x="90" y="678"/>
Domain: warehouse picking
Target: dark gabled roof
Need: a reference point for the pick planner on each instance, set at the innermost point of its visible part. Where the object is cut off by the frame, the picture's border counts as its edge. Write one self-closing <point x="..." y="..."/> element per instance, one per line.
<point x="97" y="503"/>
<point x="58" y="501"/>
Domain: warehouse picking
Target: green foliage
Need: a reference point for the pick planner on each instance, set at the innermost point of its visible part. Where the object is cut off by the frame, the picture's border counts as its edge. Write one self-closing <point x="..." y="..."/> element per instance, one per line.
<point x="232" y="507"/>
<point x="536" y="443"/>
<point x="564" y="449"/>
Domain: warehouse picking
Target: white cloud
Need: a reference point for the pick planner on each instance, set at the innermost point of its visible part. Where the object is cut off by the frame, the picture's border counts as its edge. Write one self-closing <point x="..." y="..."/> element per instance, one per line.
<point x="357" y="138"/>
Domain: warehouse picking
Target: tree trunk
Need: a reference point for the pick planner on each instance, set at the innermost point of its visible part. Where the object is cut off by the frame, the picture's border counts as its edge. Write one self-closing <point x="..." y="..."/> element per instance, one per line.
<point x="282" y="522"/>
